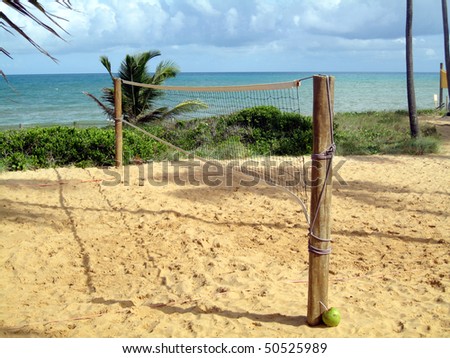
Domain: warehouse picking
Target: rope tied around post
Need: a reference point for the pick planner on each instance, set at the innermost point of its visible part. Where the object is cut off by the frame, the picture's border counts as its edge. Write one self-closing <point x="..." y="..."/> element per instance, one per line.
<point x="328" y="155"/>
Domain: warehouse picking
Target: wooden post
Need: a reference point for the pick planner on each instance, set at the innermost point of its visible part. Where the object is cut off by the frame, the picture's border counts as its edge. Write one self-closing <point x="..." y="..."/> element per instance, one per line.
<point x="118" y="120"/>
<point x="320" y="230"/>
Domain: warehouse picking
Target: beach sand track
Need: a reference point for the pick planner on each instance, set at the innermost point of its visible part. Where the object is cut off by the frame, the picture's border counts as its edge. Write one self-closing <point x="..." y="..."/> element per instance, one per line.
<point x="79" y="258"/>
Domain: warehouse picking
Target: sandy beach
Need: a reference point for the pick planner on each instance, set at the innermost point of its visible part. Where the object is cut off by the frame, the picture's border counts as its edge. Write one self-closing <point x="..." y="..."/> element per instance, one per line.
<point x="80" y="257"/>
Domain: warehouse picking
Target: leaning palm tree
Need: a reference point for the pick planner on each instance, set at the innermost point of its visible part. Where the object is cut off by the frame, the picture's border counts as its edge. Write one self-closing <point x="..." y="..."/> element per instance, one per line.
<point x="139" y="103"/>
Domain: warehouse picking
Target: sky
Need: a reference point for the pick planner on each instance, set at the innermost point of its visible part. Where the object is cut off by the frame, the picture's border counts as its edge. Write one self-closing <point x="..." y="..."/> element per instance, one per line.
<point x="232" y="35"/>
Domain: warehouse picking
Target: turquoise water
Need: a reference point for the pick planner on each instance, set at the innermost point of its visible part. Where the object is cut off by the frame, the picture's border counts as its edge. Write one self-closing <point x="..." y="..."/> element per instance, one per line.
<point x="59" y="99"/>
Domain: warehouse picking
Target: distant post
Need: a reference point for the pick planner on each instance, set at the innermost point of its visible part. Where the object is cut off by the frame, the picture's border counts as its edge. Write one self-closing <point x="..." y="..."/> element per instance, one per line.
<point x="118" y="120"/>
<point x="321" y="178"/>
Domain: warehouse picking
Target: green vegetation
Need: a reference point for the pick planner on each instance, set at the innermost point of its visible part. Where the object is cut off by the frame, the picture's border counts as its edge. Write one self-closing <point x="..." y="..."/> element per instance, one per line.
<point x="253" y="131"/>
<point x="383" y="133"/>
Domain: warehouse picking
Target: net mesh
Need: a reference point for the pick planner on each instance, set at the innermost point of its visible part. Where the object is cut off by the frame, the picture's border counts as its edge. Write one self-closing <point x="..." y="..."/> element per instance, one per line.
<point x="223" y="131"/>
<point x="220" y="100"/>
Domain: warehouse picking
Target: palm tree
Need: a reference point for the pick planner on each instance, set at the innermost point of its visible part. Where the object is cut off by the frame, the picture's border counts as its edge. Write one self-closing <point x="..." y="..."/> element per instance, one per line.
<point x="138" y="103"/>
<point x="413" y="122"/>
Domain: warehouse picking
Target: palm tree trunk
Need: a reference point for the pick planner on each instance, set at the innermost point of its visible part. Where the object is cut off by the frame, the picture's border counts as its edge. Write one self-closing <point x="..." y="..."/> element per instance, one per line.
<point x="446" y="42"/>
<point x="412" y="109"/>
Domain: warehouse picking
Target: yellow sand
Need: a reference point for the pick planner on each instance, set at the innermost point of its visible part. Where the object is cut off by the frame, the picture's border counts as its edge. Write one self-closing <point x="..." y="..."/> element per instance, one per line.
<point x="82" y="259"/>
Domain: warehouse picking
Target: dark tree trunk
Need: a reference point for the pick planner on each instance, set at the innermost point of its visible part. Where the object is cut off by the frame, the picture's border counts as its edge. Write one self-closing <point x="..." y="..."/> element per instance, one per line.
<point x="446" y="42"/>
<point x="412" y="109"/>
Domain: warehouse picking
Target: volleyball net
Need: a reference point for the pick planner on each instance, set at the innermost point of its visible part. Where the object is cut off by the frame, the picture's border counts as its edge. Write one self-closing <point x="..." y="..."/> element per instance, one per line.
<point x="217" y="100"/>
<point x="252" y="133"/>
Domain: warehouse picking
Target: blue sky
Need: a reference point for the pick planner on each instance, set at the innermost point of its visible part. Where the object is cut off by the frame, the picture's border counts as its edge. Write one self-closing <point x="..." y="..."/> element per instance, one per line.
<point x="233" y="35"/>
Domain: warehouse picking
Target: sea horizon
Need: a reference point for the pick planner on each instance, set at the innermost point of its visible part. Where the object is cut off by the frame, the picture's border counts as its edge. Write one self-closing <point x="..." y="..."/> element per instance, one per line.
<point x="52" y="99"/>
<point x="209" y="72"/>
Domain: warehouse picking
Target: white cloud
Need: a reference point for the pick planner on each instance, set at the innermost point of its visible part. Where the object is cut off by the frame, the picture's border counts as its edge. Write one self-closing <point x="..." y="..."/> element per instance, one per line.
<point x="177" y="22"/>
<point x="325" y="4"/>
<point x="266" y="18"/>
<point x="232" y="21"/>
<point x="242" y="27"/>
<point x="204" y="7"/>
<point x="430" y="52"/>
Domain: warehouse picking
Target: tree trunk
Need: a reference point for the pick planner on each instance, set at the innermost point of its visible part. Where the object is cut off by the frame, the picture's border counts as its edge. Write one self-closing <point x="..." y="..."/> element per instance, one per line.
<point x="412" y="109"/>
<point x="446" y="42"/>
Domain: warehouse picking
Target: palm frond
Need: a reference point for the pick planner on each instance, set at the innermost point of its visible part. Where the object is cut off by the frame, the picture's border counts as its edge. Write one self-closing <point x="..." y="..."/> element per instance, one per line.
<point x="108" y="111"/>
<point x="23" y="34"/>
<point x="4" y="76"/>
<point x="11" y="27"/>
<point x="185" y="107"/>
<point x="7" y="82"/>
<point x="21" y="9"/>
<point x="104" y="60"/>
<point x="5" y="52"/>
<point x="143" y="58"/>
<point x="154" y="115"/>
<point x="49" y="16"/>
<point x="164" y="70"/>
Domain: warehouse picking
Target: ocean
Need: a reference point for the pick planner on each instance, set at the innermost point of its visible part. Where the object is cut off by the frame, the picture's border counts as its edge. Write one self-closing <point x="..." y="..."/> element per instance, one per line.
<point x="32" y="100"/>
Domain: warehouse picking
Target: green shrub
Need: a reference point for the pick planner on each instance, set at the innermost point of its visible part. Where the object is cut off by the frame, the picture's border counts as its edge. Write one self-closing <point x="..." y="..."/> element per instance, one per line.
<point x="254" y="131"/>
<point x="263" y="130"/>
<point x="262" y="117"/>
<point x="56" y="146"/>
<point x="382" y="133"/>
<point x="20" y="161"/>
<point x="268" y="130"/>
<point x="429" y="130"/>
<point x="3" y="165"/>
<point x="231" y="148"/>
<point x="414" y="146"/>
